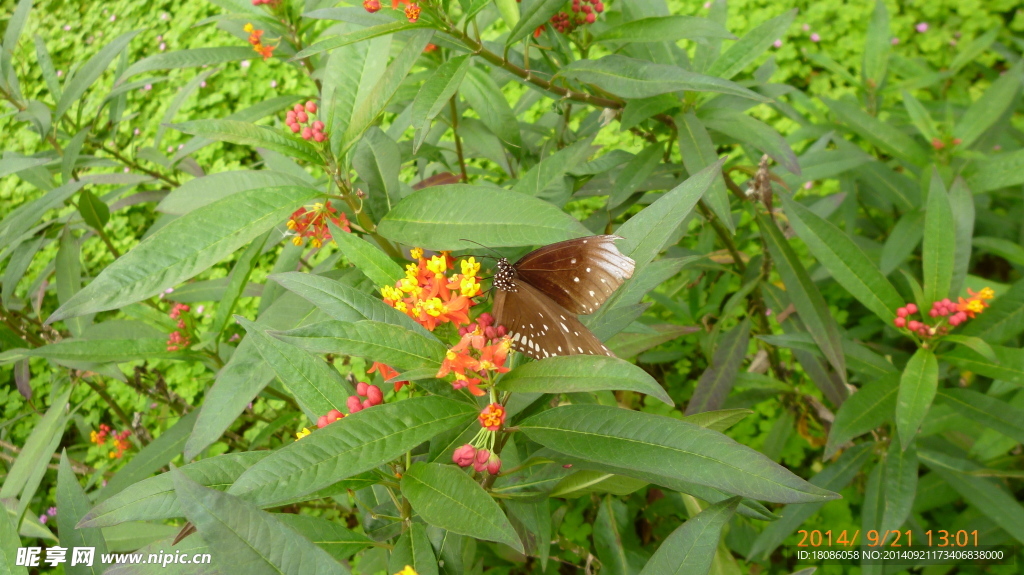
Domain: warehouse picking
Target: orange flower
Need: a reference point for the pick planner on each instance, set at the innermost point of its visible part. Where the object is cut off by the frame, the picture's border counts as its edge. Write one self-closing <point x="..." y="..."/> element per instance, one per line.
<point x="492" y="417"/>
<point x="387" y="372"/>
<point x="311" y="222"/>
<point x="255" y="38"/>
<point x="474" y="357"/>
<point x="431" y="298"/>
<point x="412" y="12"/>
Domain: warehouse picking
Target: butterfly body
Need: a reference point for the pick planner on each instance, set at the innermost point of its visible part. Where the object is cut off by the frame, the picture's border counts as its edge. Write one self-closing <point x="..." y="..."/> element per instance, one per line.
<point x="538" y="297"/>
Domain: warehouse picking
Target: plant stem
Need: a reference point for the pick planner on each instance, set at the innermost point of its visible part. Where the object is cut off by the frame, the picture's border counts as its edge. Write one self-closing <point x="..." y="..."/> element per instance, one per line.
<point x="458" y="140"/>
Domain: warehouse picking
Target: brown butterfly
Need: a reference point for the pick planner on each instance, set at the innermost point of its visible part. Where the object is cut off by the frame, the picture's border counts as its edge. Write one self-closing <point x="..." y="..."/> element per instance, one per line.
<point x="538" y="297"/>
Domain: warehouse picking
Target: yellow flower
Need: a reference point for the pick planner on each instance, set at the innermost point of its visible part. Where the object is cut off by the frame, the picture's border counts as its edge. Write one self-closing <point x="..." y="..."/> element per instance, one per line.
<point x="470" y="267"/>
<point x="391" y="293"/>
<point x="297" y="240"/>
<point x="291" y="224"/>
<point x="469" y="286"/>
<point x="437" y="265"/>
<point x="975" y="306"/>
<point x="407" y="571"/>
<point x="305" y="431"/>
<point x="402" y="306"/>
<point x="315" y="242"/>
<point x="986" y="293"/>
<point x="416" y="253"/>
<point x="434" y="306"/>
<point x="248" y="28"/>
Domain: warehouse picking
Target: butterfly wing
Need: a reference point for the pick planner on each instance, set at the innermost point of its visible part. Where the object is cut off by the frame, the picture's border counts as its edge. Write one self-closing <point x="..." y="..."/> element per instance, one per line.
<point x="541" y="328"/>
<point x="579" y="275"/>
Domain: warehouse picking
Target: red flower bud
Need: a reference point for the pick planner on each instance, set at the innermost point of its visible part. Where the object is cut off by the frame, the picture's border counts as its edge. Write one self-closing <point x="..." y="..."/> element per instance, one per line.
<point x="902" y="312"/>
<point x="914" y="325"/>
<point x="319" y="136"/>
<point x="322" y="422"/>
<point x="297" y="108"/>
<point x="493" y="465"/>
<point x="318" y="126"/>
<point x="353" y="404"/>
<point x="307" y="133"/>
<point x="290" y="117"/>
<point x="485" y="319"/>
<point x="591" y="18"/>
<point x="502" y="331"/>
<point x="938" y="144"/>
<point x="956" y="141"/>
<point x="301" y="117"/>
<point x="912" y="308"/>
<point x="361" y="388"/>
<point x="294" y="127"/>
<point x="464" y="455"/>
<point x="482" y="456"/>
<point x="367" y="403"/>
<point x="311" y="107"/>
<point x="598" y="7"/>
<point x="374" y="395"/>
<point x="334" y="415"/>
<point x="900" y="322"/>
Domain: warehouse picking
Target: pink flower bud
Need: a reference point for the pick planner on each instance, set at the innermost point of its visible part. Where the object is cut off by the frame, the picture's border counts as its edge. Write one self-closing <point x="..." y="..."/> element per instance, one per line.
<point x="318" y="126"/>
<point x="301" y="117"/>
<point x="934" y="312"/>
<point x="298" y="108"/>
<point x="485" y="319"/>
<point x="354" y="404"/>
<point x="361" y="388"/>
<point x="307" y="133"/>
<point x="914" y="325"/>
<point x="482" y="456"/>
<point x="598" y="7"/>
<point x="374" y="395"/>
<point x="289" y="118"/>
<point x="311" y="107"/>
<point x="493" y="465"/>
<point x="322" y="422"/>
<point x="912" y="308"/>
<point x="333" y="415"/>
<point x="367" y="403"/>
<point x="902" y="312"/>
<point x="591" y="18"/>
<point x="464" y="455"/>
<point x="900" y="322"/>
<point x="319" y="136"/>
<point x="294" y="128"/>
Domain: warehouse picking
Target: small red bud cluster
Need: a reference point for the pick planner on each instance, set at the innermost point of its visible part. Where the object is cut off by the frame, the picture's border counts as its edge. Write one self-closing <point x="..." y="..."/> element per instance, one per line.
<point x="271" y="3"/>
<point x="120" y="440"/>
<point x="372" y="393"/>
<point x="480" y="459"/>
<point x="957" y="313"/>
<point x="181" y="338"/>
<point x="332" y="416"/>
<point x="371" y="6"/>
<point x="300" y="115"/>
<point x="582" y="12"/>
<point x="486" y="322"/>
<point x="948" y="308"/>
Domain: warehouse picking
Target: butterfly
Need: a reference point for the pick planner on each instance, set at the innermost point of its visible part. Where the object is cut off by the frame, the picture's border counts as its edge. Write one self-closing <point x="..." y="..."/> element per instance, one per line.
<point x="538" y="297"/>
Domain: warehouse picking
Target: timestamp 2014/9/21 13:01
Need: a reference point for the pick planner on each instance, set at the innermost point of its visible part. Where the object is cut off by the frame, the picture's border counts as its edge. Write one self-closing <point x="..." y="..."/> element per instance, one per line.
<point x="893" y="538"/>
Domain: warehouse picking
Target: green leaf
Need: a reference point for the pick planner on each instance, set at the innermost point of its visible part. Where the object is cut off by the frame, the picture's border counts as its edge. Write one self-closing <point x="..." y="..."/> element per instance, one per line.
<point x="413" y="550"/>
<point x="90" y="72"/>
<point x="154" y="456"/>
<point x="749" y="48"/>
<point x="95" y="211"/>
<point x="990" y="497"/>
<point x="24" y="217"/>
<point x="370" y="260"/>
<point x="535" y="13"/>
<point x="847" y="263"/>
<point x="585" y="482"/>
<point x="36" y="452"/>
<point x="356" y="36"/>
<point x="750" y="130"/>
<point x="868" y="408"/>
<point x="581" y="373"/>
<point x="10" y="542"/>
<point x="718" y="420"/>
<point x="248" y="134"/>
<point x="969" y="53"/>
<point x="804" y="295"/>
<point x="378" y="161"/>
<point x="349" y="75"/>
<point x="835" y="477"/>
<point x="985" y="410"/>
<point x="690" y="549"/>
<point x="358" y="443"/>
<point x="900" y="488"/>
<point x="366" y="111"/>
<point x="193" y="58"/>
<point x="961" y="203"/>
<point x="634" y="174"/>
<point x="612" y="535"/>
<point x="200" y="192"/>
<point x="71" y="153"/>
<point x="883" y="135"/>
<point x="876" y="49"/>
<point x="446" y="497"/>
<point x="394" y="345"/>
<point x="1006" y="249"/>
<point x="698" y="152"/>
<point x="316" y="386"/>
<point x="486" y="99"/>
<point x="990" y="107"/>
<point x="920" y="117"/>
<point x="343" y="302"/>
<point x="647" y="232"/>
<point x="184" y="247"/>
<point x="153" y="498"/>
<point x="238" y="279"/>
<point x="247" y="538"/>
<point x="435" y="94"/>
<point x="73" y="505"/>
<point x="717" y="380"/>
<point x="665" y="29"/>
<point x="439" y="217"/>
<point x="628" y="345"/>
<point x="330" y="536"/>
<point x="15" y="25"/>
<point x="669" y="447"/>
<point x="918" y="385"/>
<point x="997" y="171"/>
<point x="976" y="343"/>
<point x="15" y="164"/>
<point x="549" y="174"/>
<point x="106" y="350"/>
<point x="632" y="78"/>
<point x="939" y="242"/>
<point x="509" y="10"/>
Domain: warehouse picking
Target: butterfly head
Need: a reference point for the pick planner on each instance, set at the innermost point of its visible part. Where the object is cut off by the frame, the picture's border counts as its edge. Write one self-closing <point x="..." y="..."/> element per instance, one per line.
<point x="504" y="278"/>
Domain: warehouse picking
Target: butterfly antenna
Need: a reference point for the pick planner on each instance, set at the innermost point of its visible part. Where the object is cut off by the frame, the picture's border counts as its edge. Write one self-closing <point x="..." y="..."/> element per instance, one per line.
<point x="481" y="245"/>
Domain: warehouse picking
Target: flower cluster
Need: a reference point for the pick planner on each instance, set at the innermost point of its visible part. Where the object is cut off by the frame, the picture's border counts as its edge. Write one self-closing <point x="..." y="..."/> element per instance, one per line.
<point x="431" y="298"/>
<point x="387" y="372"/>
<point x="480" y="451"/>
<point x="480" y="354"/>
<point x="407" y="571"/>
<point x="372" y="393"/>
<point x="299" y="115"/>
<point x="951" y="313"/>
<point x="51" y="512"/>
<point x="332" y="416"/>
<point x="412" y="9"/>
<point x="302" y="433"/>
<point x="311" y="222"/>
<point x="119" y="440"/>
<point x="180" y="338"/>
<point x="271" y="3"/>
<point x="939" y="144"/>
<point x="256" y="39"/>
<point x="583" y="12"/>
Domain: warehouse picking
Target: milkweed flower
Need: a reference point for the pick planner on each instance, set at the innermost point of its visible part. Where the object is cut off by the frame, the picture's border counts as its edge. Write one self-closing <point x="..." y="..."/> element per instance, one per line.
<point x="475" y="357"/>
<point x="302" y="433"/>
<point x="947" y="312"/>
<point x="256" y="40"/>
<point x="311" y="222"/>
<point x="492" y="417"/>
<point x="429" y="296"/>
<point x="387" y="372"/>
<point x="407" y="571"/>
